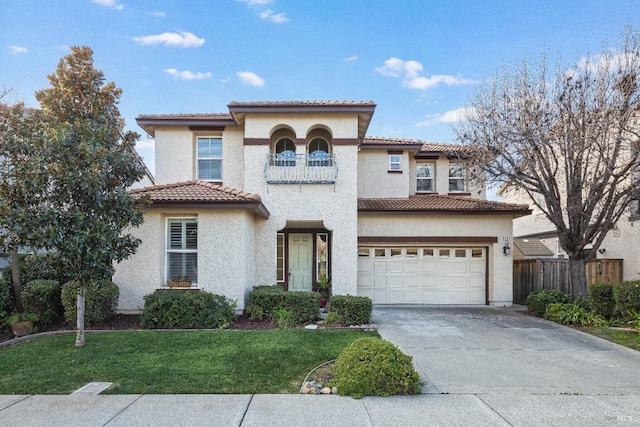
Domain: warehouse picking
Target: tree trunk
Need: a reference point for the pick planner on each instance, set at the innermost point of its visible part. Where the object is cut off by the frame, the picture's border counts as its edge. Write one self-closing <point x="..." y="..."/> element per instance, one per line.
<point x="80" y="317"/>
<point x="578" y="277"/>
<point x="15" y="278"/>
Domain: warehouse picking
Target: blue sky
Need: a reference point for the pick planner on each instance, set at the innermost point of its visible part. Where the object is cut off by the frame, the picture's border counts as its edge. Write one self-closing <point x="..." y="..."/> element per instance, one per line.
<point x="419" y="61"/>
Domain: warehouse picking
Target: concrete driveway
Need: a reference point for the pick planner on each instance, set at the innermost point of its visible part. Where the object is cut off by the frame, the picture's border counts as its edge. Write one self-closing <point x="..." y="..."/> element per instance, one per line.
<point x="500" y="350"/>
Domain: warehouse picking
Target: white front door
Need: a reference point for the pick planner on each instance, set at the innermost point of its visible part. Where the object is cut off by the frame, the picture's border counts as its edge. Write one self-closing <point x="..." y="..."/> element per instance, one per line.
<point x="300" y="261"/>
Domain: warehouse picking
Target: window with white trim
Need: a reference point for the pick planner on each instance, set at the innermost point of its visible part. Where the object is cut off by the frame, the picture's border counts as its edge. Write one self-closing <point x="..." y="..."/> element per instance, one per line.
<point x="424" y="178"/>
<point x="280" y="257"/>
<point x="182" y="249"/>
<point x="395" y="162"/>
<point x="457" y="175"/>
<point x="210" y="158"/>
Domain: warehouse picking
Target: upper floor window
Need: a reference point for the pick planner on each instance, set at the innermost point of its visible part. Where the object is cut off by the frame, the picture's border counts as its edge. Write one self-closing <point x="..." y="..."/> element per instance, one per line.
<point x="424" y="177"/>
<point x="210" y="158"/>
<point x="285" y="152"/>
<point x="395" y="162"/>
<point x="457" y="177"/>
<point x="318" y="149"/>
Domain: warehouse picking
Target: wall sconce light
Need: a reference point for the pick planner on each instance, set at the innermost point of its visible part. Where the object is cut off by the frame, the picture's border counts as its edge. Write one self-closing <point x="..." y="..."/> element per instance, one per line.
<point x="506" y="249"/>
<point x="603" y="250"/>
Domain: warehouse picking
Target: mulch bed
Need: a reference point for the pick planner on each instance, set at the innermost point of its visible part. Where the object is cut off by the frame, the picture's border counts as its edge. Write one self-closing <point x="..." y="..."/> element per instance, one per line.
<point x="129" y="322"/>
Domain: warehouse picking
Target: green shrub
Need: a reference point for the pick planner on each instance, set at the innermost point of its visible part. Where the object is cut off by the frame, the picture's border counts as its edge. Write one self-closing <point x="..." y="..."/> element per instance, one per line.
<point x="305" y="306"/>
<point x="572" y="314"/>
<point x="268" y="298"/>
<point x="634" y="321"/>
<point x="538" y="301"/>
<point x="37" y="266"/>
<point x="601" y="298"/>
<point x="333" y="319"/>
<point x="627" y="297"/>
<point x="374" y="367"/>
<point x="254" y="313"/>
<point x="177" y="309"/>
<point x="42" y="297"/>
<point x="353" y="310"/>
<point x="284" y="318"/>
<point x="101" y="301"/>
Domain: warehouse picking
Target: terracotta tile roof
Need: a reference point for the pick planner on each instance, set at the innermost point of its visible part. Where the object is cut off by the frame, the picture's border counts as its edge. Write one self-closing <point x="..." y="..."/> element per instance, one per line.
<point x="299" y="103"/>
<point x="434" y="203"/>
<point x="425" y="148"/>
<point x="532" y="247"/>
<point x="186" y="116"/>
<point x="193" y="191"/>
<point x="375" y="140"/>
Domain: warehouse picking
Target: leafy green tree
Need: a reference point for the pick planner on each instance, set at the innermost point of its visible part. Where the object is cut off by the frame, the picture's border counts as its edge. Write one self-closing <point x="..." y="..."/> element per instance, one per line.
<point x="92" y="163"/>
<point x="24" y="183"/>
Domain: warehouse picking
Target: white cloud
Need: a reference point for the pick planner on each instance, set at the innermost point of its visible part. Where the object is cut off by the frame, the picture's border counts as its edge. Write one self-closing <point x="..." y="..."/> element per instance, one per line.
<point x="109" y="3"/>
<point x="276" y="18"/>
<point x="256" y="2"/>
<point x="187" y="75"/>
<point x="451" y="116"/>
<point x="16" y="50"/>
<point x="179" y="39"/>
<point x="351" y="58"/>
<point x="411" y="73"/>
<point x="251" y="78"/>
<point x="159" y="14"/>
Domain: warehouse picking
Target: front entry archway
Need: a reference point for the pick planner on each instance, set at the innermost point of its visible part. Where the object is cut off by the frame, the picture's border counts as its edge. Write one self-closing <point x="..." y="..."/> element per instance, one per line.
<point x="303" y="255"/>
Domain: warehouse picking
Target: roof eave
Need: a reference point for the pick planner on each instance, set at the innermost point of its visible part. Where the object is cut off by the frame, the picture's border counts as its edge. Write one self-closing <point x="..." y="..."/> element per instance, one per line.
<point x="256" y="206"/>
<point x="149" y="124"/>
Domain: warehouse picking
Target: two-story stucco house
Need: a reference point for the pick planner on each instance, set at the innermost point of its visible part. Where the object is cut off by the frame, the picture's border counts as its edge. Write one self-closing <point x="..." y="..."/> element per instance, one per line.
<point x="286" y="192"/>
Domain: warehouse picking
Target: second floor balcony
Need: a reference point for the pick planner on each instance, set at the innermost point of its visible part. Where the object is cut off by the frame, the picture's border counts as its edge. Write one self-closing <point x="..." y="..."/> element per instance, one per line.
<point x="291" y="168"/>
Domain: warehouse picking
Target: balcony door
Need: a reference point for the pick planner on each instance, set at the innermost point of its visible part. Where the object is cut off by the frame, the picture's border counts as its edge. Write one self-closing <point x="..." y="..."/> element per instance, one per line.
<point x="300" y="261"/>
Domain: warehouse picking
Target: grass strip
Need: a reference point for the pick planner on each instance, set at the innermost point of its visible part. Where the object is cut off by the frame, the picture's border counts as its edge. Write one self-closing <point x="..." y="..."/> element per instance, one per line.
<point x="172" y="362"/>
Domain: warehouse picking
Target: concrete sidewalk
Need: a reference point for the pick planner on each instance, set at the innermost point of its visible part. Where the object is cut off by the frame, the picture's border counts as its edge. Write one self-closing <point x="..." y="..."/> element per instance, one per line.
<point x="483" y="366"/>
<point x="464" y="409"/>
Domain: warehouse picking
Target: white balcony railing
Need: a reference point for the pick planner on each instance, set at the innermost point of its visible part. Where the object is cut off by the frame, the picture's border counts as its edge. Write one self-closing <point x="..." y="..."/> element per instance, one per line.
<point x="300" y="169"/>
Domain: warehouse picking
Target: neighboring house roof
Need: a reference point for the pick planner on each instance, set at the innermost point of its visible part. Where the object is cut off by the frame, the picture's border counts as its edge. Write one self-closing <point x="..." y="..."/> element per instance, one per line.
<point x="423" y="148"/>
<point x="436" y="204"/>
<point x="532" y="247"/>
<point x="200" y="194"/>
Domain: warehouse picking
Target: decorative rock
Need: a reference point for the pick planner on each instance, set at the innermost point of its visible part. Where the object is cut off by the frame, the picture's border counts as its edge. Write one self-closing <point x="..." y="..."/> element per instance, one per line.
<point x="305" y="389"/>
<point x="315" y="387"/>
<point x="325" y="390"/>
<point x="311" y="327"/>
<point x="334" y="390"/>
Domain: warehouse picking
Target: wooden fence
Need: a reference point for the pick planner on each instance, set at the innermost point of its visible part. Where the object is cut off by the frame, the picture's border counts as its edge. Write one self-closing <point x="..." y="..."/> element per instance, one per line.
<point x="551" y="273"/>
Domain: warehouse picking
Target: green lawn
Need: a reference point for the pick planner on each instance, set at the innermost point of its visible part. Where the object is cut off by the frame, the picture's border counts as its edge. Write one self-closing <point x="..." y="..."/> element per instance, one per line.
<point x="627" y="339"/>
<point x="160" y="362"/>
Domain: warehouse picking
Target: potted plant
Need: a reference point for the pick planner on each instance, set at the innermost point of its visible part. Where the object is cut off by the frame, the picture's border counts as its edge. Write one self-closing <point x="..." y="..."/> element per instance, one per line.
<point x="21" y="323"/>
<point x="324" y="289"/>
<point x="179" y="282"/>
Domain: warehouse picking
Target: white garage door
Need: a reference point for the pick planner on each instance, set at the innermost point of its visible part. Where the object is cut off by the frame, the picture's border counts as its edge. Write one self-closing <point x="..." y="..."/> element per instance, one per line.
<point x="422" y="275"/>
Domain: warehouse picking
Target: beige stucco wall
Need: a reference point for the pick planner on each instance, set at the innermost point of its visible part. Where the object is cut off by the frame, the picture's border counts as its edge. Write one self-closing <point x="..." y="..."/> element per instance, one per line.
<point x="341" y="125"/>
<point x="335" y="205"/>
<point x="174" y="155"/>
<point x="500" y="266"/>
<point x="225" y="255"/>
<point x="374" y="178"/>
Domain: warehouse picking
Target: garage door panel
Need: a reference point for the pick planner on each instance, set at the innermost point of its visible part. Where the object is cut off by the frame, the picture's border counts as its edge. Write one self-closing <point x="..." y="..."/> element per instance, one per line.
<point x="449" y="275"/>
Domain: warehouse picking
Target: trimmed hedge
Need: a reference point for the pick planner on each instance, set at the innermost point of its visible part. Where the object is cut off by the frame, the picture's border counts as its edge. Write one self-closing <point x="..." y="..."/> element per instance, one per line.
<point x="181" y="309"/>
<point x="627" y="297"/>
<point x="602" y="300"/>
<point x="374" y="367"/>
<point x="352" y="310"/>
<point x="43" y="298"/>
<point x="538" y="301"/>
<point x="101" y="301"/>
<point x="305" y="306"/>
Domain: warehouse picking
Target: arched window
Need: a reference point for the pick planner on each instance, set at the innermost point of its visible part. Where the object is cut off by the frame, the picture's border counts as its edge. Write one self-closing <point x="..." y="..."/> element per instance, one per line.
<point x="318" y="149"/>
<point x="285" y="152"/>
